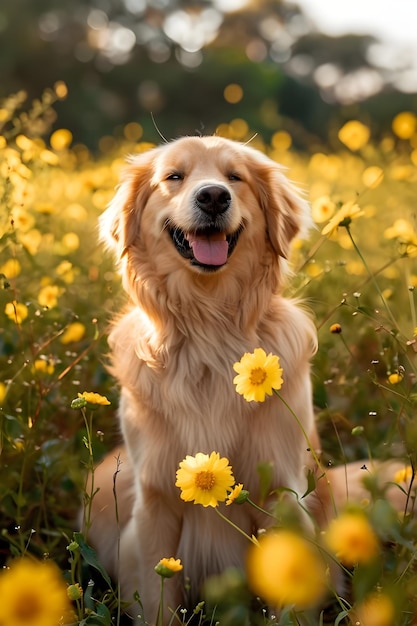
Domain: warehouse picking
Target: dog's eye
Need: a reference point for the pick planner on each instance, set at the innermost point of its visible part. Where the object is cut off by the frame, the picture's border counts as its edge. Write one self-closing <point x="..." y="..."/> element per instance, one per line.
<point x="175" y="176"/>
<point x="234" y="177"/>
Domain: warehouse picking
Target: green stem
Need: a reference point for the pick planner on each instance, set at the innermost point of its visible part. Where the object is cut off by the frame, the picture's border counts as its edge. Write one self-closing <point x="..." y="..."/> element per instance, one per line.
<point x="242" y="532"/>
<point x="116" y="507"/>
<point x="259" y="508"/>
<point x="90" y="467"/>
<point x="161" y="604"/>
<point x="372" y="277"/>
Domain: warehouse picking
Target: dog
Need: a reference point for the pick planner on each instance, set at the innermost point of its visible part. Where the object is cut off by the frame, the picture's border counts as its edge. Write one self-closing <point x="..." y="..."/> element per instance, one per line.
<point x="202" y="230"/>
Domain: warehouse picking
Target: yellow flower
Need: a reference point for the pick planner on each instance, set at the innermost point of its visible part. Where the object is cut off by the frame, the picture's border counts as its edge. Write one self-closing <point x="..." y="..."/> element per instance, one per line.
<point x="168" y="567"/>
<point x="48" y="296"/>
<point x="76" y="212"/>
<point x="61" y="139"/>
<point x="11" y="268"/>
<point x="16" y="311"/>
<point x="343" y="217"/>
<point x="284" y="569"/>
<point x="75" y="592"/>
<point x="22" y="220"/>
<point x="46" y="208"/>
<point x="74" y="332"/>
<point x="66" y="271"/>
<point x="3" y="392"/>
<point x="258" y="375"/>
<point x="372" y="176"/>
<point x="204" y="479"/>
<point x="404" y="475"/>
<point x="404" y="124"/>
<point x="43" y="366"/>
<point x="48" y="157"/>
<point x="322" y="209"/>
<point x="336" y="329"/>
<point x="94" y="398"/>
<point x="395" y="378"/>
<point x="70" y="242"/>
<point x="31" y="240"/>
<point x="402" y="230"/>
<point x="354" y="135"/>
<point x="61" y="89"/>
<point x="376" y="610"/>
<point x="352" y="538"/>
<point x="237" y="495"/>
<point x="32" y="594"/>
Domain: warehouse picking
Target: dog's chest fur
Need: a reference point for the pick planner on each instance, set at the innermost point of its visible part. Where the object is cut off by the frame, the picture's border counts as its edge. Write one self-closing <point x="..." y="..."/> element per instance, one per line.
<point x="184" y="396"/>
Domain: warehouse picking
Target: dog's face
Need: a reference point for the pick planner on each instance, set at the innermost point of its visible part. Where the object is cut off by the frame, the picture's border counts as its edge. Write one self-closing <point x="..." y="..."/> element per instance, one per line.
<point x="201" y="203"/>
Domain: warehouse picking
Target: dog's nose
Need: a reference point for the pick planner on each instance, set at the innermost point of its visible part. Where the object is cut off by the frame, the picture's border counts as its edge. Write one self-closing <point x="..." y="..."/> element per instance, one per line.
<point x="213" y="199"/>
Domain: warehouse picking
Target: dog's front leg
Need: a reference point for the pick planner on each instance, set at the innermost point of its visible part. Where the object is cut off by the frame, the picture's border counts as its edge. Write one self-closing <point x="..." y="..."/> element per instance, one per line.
<point x="152" y="535"/>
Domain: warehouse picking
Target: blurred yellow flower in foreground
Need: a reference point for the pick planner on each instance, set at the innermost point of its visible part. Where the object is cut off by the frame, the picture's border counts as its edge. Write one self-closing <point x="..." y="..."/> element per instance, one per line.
<point x="285" y="569"/>
<point x="376" y="610"/>
<point x="352" y="539"/>
<point x="258" y="374"/>
<point x="204" y="479"/>
<point x="16" y="311"/>
<point x="343" y="217"/>
<point x="33" y="594"/>
<point x="322" y="209"/>
<point x="74" y="332"/>
<point x="354" y="135"/>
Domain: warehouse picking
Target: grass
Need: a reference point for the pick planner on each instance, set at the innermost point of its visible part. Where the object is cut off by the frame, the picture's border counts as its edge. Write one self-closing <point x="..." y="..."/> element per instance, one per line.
<point x="58" y="290"/>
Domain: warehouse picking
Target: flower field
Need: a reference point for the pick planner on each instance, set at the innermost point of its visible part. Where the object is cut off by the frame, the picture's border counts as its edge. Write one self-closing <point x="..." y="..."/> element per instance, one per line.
<point x="356" y="273"/>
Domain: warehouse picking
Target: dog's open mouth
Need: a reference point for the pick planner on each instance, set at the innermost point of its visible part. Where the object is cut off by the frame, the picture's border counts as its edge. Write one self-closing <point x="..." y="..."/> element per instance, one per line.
<point x="208" y="248"/>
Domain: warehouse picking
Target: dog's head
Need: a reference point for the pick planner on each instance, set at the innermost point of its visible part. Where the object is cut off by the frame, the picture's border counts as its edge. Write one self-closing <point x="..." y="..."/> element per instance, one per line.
<point x="203" y="204"/>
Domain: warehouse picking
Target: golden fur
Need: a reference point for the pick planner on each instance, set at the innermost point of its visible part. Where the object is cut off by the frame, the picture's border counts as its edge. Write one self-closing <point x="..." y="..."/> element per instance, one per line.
<point x="174" y="347"/>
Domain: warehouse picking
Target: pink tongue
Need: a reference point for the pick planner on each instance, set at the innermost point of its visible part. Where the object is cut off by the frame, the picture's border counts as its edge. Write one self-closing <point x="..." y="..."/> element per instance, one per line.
<point x="209" y="251"/>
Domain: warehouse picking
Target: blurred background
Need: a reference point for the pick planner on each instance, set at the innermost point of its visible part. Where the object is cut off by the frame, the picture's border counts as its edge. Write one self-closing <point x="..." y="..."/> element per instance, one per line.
<point x="305" y="67"/>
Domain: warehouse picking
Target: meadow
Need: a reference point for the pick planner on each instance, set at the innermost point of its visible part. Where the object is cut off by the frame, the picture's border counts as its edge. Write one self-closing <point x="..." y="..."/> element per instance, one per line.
<point x="356" y="273"/>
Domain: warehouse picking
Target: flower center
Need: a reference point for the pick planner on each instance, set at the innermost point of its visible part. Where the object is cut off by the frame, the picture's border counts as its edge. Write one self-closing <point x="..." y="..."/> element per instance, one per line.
<point x="205" y="480"/>
<point x="29" y="608"/>
<point x="257" y="376"/>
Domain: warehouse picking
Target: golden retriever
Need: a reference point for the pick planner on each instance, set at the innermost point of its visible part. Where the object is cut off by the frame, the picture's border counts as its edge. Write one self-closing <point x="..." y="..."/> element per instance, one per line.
<point x="201" y="227"/>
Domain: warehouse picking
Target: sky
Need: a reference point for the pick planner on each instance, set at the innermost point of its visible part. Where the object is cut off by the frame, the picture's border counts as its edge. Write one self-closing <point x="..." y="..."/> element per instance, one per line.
<point x="392" y="20"/>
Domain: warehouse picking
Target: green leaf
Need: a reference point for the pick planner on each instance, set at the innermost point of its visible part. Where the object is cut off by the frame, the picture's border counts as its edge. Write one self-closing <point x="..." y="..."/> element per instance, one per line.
<point x="341" y="617"/>
<point x="90" y="557"/>
<point x="311" y="483"/>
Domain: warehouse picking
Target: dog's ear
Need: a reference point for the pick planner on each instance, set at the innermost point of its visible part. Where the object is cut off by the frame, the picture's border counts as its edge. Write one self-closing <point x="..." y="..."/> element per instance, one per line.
<point x="119" y="224"/>
<point x="286" y="212"/>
